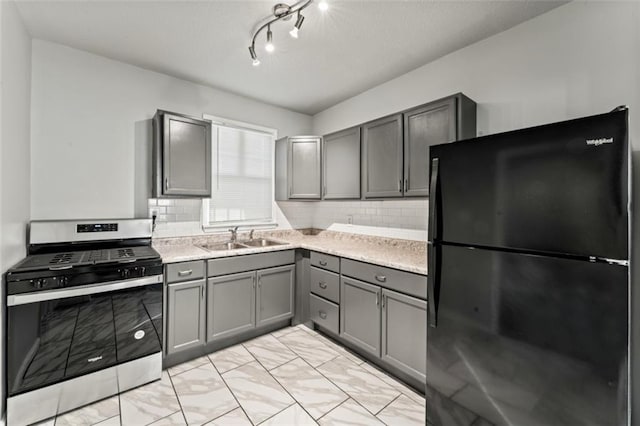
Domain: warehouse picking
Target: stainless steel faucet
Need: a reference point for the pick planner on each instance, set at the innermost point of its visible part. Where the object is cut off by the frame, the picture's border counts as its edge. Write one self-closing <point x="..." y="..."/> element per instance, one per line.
<point x="234" y="234"/>
<point x="251" y="234"/>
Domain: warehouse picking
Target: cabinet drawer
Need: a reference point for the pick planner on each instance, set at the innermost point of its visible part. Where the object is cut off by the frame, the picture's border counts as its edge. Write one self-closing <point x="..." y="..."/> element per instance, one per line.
<point x="405" y="282"/>
<point x="185" y="271"/>
<point x="325" y="261"/>
<point x="249" y="262"/>
<point x="324" y="313"/>
<point x="325" y="284"/>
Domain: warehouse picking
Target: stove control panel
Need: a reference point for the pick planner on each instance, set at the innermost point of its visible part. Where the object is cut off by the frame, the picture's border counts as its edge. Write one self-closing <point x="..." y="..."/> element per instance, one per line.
<point x="132" y="272"/>
<point x="49" y="283"/>
<point x="97" y="227"/>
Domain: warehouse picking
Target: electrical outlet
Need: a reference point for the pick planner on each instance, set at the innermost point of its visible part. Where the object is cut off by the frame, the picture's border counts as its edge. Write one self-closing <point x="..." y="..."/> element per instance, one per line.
<point x="350" y="219"/>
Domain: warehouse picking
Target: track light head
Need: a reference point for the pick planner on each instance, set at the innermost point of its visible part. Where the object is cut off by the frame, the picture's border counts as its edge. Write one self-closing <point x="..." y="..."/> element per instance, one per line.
<point x="269" y="47"/>
<point x="296" y="27"/>
<point x="254" y="57"/>
<point x="323" y="5"/>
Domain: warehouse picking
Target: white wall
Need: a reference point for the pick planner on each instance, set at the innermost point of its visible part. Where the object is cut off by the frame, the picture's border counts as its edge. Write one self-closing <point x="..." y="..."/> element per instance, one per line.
<point x="579" y="59"/>
<point x="15" y="88"/>
<point x="91" y="130"/>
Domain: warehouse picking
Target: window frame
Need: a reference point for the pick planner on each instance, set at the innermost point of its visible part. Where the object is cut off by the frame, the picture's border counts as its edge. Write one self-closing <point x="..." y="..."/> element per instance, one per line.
<point x="207" y="225"/>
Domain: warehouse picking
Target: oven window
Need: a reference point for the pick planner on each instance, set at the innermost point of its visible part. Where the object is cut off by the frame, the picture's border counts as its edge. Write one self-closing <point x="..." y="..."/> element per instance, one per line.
<point x="54" y="340"/>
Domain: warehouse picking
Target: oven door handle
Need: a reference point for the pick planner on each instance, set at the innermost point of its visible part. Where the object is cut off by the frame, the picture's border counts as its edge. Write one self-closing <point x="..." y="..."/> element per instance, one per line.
<point x="64" y="293"/>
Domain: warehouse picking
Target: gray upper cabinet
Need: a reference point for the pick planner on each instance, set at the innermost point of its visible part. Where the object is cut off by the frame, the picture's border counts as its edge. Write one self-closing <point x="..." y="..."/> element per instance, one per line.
<point x="298" y="168"/>
<point x="382" y="173"/>
<point x="404" y="333"/>
<point x="360" y="314"/>
<point x="341" y="165"/>
<point x="275" y="295"/>
<point x="230" y="305"/>
<point x="182" y="156"/>
<point x="438" y="122"/>
<point x="186" y="315"/>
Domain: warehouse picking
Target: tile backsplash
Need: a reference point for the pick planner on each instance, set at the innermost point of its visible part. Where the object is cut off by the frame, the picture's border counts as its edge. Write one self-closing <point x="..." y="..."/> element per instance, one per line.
<point x="177" y="217"/>
<point x="405" y="214"/>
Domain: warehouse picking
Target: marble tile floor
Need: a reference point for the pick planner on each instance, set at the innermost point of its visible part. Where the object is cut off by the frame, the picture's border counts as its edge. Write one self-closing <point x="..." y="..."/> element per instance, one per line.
<point x="293" y="376"/>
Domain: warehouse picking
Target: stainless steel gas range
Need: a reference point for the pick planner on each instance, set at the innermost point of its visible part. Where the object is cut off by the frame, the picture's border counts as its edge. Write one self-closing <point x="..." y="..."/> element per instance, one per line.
<point x="84" y="316"/>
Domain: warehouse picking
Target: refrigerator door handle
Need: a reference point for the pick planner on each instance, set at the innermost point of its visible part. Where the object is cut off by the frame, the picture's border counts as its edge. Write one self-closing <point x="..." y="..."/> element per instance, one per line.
<point x="433" y="200"/>
<point x="432" y="317"/>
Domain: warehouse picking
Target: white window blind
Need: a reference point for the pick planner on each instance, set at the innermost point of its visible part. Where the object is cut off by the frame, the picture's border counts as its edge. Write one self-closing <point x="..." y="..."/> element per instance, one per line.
<point x="242" y="177"/>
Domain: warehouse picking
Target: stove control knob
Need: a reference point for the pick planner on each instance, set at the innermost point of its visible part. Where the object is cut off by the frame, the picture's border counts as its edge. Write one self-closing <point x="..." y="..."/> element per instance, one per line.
<point x="124" y="273"/>
<point x="63" y="281"/>
<point x="40" y="283"/>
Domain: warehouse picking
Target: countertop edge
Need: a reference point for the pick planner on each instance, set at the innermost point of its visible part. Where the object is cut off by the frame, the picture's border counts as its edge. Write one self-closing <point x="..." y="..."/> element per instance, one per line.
<point x="193" y="252"/>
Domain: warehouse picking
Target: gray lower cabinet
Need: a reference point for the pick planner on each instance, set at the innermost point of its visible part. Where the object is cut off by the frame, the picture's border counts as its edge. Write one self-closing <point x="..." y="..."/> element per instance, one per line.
<point x="382" y="174"/>
<point x="404" y="333"/>
<point x="360" y="314"/>
<point x="186" y="315"/>
<point x="275" y="295"/>
<point x="231" y="303"/>
<point x="341" y="165"/>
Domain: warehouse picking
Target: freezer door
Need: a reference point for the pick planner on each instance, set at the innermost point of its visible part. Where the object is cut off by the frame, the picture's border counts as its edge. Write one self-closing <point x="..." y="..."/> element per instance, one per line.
<point x="559" y="188"/>
<point x="527" y="340"/>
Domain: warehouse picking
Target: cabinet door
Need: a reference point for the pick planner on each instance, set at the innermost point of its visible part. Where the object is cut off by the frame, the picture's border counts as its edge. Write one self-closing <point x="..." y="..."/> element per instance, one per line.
<point x="275" y="294"/>
<point x="382" y="157"/>
<point x="360" y="314"/>
<point x="186" y="315"/>
<point x="404" y="333"/>
<point x="186" y="163"/>
<point x="304" y="167"/>
<point x="231" y="303"/>
<point x="425" y="126"/>
<point x="341" y="164"/>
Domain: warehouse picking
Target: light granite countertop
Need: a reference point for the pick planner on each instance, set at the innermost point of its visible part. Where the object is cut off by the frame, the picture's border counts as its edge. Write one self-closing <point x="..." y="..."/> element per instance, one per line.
<point x="406" y="255"/>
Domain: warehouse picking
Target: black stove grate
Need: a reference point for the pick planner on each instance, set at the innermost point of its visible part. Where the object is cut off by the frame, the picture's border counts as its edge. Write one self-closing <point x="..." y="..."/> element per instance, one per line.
<point x="65" y="258"/>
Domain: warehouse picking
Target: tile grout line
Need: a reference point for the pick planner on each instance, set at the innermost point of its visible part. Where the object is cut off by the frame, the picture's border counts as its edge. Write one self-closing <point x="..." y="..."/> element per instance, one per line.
<point x="161" y="418"/>
<point x="184" y="416"/>
<point x="232" y="394"/>
<point x="287" y="391"/>
<point x="188" y="369"/>
<point x="391" y="402"/>
<point x="353" y="397"/>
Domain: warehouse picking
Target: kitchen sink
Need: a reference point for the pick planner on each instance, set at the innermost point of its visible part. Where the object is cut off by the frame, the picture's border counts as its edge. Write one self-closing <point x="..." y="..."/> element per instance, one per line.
<point x="229" y="245"/>
<point x="262" y="242"/>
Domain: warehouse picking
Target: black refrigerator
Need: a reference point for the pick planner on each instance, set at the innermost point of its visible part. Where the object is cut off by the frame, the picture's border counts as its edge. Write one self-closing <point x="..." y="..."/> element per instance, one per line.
<point x="528" y="276"/>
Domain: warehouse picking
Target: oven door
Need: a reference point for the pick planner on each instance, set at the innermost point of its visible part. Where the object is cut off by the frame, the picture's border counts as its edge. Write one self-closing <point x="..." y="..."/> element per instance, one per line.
<point x="60" y="334"/>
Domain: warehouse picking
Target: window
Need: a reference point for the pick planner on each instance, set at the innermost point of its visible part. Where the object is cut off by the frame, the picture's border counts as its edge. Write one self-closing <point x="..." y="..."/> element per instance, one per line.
<point x="242" y="189"/>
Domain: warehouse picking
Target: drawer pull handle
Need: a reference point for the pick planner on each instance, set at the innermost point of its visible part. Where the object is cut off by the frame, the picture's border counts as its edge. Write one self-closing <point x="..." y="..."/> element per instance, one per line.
<point x="381" y="278"/>
<point x="185" y="273"/>
<point x="323" y="315"/>
<point x="322" y="285"/>
<point x="322" y="262"/>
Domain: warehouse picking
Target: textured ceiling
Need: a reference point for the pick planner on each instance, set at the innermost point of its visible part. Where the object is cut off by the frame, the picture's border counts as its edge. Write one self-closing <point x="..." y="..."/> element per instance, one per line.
<point x="352" y="47"/>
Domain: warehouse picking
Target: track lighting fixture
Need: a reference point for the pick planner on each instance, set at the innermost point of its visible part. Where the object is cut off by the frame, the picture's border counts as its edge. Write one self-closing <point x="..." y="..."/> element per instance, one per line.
<point x="281" y="12"/>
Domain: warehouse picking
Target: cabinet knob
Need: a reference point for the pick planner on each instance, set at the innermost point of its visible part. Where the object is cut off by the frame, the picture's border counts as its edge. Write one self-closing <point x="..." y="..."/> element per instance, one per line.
<point x="381" y="278"/>
<point x="322" y="285"/>
<point x="323" y="315"/>
<point x="185" y="273"/>
<point x="322" y="262"/>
